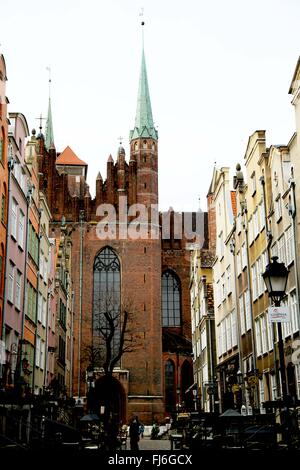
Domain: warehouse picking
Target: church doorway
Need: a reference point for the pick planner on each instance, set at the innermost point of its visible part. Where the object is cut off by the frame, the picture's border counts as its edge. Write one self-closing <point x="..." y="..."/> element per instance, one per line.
<point x="110" y="397"/>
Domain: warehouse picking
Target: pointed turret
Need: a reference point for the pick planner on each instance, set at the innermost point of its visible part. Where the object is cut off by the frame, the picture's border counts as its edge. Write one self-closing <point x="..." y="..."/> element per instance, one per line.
<point x="49" y="138"/>
<point x="144" y="126"/>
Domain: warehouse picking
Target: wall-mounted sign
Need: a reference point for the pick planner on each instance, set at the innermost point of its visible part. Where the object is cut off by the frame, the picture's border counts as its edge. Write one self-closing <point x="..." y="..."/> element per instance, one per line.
<point x="279" y="314"/>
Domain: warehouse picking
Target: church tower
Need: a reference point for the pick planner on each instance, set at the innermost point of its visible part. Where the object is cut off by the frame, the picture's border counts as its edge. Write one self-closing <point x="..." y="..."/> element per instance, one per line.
<point x="143" y="144"/>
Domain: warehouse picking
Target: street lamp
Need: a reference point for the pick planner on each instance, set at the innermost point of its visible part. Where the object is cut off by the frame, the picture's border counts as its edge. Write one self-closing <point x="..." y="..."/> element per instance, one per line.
<point x="239" y="377"/>
<point x="276" y="277"/>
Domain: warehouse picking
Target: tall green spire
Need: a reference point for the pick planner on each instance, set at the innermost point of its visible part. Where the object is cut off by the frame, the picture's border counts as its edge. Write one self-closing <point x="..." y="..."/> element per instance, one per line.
<point x="49" y="138"/>
<point x="144" y="126"/>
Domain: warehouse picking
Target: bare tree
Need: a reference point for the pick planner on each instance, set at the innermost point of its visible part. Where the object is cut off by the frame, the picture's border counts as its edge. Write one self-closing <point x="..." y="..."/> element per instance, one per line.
<point x="116" y="332"/>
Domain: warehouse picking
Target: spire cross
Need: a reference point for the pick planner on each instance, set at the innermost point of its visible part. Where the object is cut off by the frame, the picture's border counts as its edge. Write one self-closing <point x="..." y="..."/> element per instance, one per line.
<point x="41" y="118"/>
<point x="121" y="140"/>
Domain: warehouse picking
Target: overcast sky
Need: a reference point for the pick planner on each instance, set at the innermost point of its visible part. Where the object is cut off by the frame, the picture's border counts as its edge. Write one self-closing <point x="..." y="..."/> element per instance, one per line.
<point x="217" y="70"/>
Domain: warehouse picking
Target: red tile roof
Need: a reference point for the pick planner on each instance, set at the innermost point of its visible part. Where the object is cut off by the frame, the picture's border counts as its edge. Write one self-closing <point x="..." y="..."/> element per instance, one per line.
<point x="68" y="157"/>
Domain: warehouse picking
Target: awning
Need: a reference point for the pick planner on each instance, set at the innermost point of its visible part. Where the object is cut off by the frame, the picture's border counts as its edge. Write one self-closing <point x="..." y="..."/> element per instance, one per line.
<point x="191" y="387"/>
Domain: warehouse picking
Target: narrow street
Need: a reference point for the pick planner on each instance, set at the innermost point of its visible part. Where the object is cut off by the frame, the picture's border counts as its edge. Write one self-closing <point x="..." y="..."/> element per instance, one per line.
<point x="152" y="444"/>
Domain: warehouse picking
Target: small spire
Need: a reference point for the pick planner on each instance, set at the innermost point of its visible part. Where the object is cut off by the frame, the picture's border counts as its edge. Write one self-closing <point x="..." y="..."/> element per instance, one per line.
<point x="110" y="159"/>
<point x="99" y="177"/>
<point x="49" y="139"/>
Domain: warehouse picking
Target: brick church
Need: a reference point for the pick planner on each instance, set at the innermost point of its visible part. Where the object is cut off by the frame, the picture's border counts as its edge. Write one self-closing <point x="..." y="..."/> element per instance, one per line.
<point x="151" y="273"/>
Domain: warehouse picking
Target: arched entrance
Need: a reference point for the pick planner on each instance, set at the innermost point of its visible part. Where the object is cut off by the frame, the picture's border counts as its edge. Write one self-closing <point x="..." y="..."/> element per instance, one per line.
<point x="110" y="394"/>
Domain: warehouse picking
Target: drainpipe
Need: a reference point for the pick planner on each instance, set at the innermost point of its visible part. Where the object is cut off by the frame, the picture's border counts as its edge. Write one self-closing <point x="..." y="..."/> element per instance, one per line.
<point x="81" y="215"/>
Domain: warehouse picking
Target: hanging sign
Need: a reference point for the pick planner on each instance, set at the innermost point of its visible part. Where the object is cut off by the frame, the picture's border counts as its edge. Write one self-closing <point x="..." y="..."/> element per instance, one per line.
<point x="279" y="314"/>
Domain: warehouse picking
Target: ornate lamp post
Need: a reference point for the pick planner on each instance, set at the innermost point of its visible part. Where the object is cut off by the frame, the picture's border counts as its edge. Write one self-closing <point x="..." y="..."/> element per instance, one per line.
<point x="276" y="277"/>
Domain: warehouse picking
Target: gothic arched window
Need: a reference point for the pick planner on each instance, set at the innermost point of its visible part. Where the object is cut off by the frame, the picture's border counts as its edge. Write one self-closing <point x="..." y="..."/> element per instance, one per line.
<point x="107" y="296"/>
<point x="171" y="311"/>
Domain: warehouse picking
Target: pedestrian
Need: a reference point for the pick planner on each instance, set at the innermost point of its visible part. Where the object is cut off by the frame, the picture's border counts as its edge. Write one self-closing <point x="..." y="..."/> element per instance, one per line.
<point x="142" y="429"/>
<point x="134" y="433"/>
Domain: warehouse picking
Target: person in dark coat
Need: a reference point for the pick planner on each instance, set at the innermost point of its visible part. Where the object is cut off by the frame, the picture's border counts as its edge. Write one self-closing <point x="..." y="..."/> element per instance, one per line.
<point x="134" y="433"/>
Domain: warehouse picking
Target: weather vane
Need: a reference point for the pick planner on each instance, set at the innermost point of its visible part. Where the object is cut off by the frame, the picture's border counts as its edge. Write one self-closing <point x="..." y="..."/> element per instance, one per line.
<point x="49" y="80"/>
<point x="142" y="23"/>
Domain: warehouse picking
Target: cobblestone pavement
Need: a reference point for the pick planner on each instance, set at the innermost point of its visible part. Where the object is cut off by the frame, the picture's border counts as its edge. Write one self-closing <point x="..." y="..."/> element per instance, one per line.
<point x="152" y="444"/>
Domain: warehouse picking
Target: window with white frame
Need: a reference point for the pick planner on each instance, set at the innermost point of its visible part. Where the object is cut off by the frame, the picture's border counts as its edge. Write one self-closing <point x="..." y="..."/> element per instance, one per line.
<point x="233" y="328"/>
<point x="203" y="339"/>
<point x="281" y="249"/>
<point x="242" y="314"/>
<point x="221" y="245"/>
<point x="45" y="274"/>
<point x="250" y="231"/>
<point x="294" y="315"/>
<point x="197" y="315"/>
<point x="273" y="386"/>
<point x="21" y="228"/>
<point x="38" y="351"/>
<point x="18" y="290"/>
<point x="228" y="332"/>
<point x="218" y="292"/>
<point x="219" y="340"/>
<point x="223" y="336"/>
<point x="262" y="215"/>
<point x="255" y="224"/>
<point x="261" y="390"/>
<point x="40" y="307"/>
<point x="228" y="279"/>
<point x="42" y="356"/>
<point x="248" y="310"/>
<point x="289" y="241"/>
<point x="13" y="218"/>
<point x="41" y="263"/>
<point x="238" y="224"/>
<point x="44" y="311"/>
<point x="286" y="326"/>
<point x="260" y="280"/>
<point x="270" y="333"/>
<point x="264" y="334"/>
<point x="274" y="250"/>
<point x="258" y="337"/>
<point x="254" y="281"/>
<point x="244" y="256"/>
<point x="223" y="286"/>
<point x="278" y="209"/>
<point x="11" y="280"/>
<point x="238" y="263"/>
